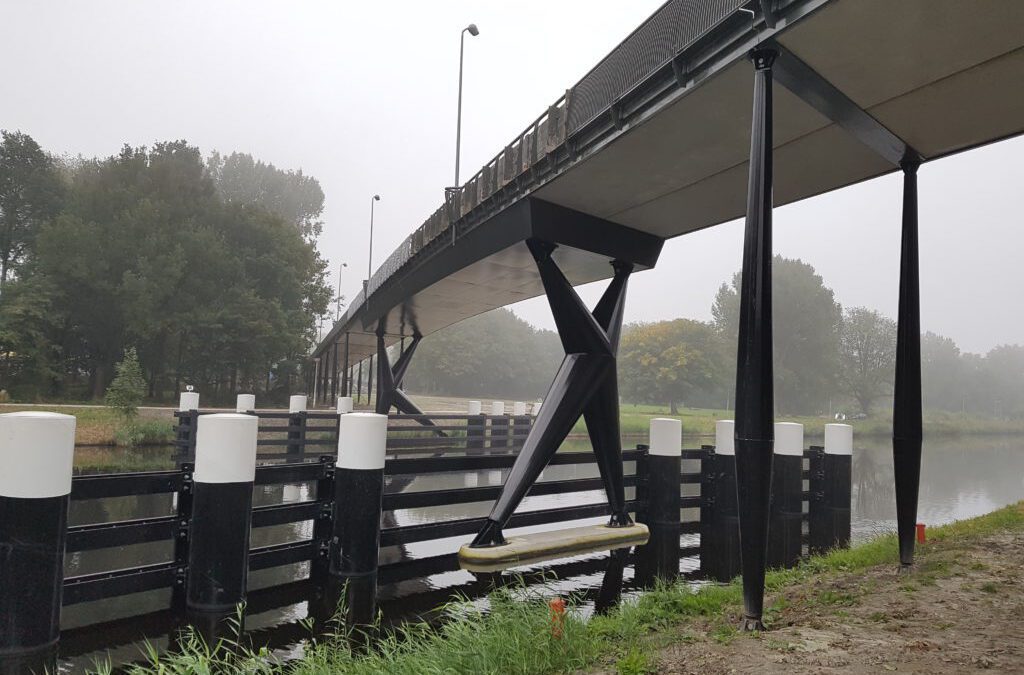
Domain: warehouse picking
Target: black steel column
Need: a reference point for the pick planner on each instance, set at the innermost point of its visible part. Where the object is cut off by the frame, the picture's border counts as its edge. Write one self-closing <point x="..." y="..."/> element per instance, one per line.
<point x="754" y="377"/>
<point x="346" y="378"/>
<point x="359" y="384"/>
<point x="218" y="552"/>
<point x="358" y="500"/>
<point x="335" y="372"/>
<point x="907" y="426"/>
<point x="36" y="456"/>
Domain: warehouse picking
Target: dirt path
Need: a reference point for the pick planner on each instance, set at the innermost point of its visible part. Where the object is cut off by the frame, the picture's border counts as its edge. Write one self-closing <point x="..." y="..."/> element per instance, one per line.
<point x="961" y="610"/>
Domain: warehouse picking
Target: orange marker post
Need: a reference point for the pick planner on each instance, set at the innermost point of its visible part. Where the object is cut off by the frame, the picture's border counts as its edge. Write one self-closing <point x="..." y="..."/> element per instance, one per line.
<point x="557" y="606"/>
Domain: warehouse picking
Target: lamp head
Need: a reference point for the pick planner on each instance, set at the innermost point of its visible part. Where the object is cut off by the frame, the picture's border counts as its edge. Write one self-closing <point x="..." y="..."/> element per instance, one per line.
<point x="376" y="198"/>
<point x="473" y="30"/>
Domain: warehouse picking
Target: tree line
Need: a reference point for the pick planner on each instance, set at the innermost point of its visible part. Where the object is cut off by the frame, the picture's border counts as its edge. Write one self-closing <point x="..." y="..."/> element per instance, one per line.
<point x="207" y="269"/>
<point x="827" y="359"/>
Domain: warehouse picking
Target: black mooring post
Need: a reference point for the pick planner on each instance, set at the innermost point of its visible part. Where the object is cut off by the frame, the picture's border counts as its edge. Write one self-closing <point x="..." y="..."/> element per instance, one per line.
<point x="476" y="429"/>
<point x="720" y="522"/>
<point x="520" y="425"/>
<point x="828" y="524"/>
<point x="664" y="462"/>
<point x="754" y="378"/>
<point x="36" y="456"/>
<point x="218" y="551"/>
<point x="185" y="431"/>
<point x="297" y="423"/>
<point x="786" y="524"/>
<point x="907" y="425"/>
<point x="589" y="361"/>
<point x="358" y="500"/>
<point x="499" y="428"/>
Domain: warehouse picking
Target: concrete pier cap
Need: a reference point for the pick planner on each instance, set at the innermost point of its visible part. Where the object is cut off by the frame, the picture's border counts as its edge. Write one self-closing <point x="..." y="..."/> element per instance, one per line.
<point x="666" y="437"/>
<point x="362" y="441"/>
<point x="725" y="437"/>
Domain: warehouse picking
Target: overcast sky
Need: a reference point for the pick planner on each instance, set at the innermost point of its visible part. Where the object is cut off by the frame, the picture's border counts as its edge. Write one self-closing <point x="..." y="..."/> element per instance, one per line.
<point x="363" y="96"/>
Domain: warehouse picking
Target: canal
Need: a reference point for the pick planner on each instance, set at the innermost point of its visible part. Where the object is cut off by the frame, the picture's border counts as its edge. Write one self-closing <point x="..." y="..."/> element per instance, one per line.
<point x="961" y="478"/>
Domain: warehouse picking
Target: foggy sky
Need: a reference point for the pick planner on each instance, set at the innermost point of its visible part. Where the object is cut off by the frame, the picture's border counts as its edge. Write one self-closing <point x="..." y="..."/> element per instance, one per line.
<point x="362" y="96"/>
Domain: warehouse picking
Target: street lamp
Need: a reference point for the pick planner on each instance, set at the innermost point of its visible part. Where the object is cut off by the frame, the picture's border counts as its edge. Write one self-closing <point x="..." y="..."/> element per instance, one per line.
<point x="337" y="309"/>
<point x="369" y="263"/>
<point x="474" y="31"/>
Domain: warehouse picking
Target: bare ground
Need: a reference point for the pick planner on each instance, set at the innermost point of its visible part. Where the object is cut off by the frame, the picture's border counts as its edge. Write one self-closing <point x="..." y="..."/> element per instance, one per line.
<point x="961" y="610"/>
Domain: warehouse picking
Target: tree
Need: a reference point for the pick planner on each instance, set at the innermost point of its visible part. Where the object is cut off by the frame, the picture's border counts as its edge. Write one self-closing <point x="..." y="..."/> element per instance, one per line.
<point x="868" y="355"/>
<point x="30" y="193"/>
<point x="805" y="324"/>
<point x="292" y="195"/>
<point x="128" y="388"/>
<point x="671" y="362"/>
<point x="944" y="376"/>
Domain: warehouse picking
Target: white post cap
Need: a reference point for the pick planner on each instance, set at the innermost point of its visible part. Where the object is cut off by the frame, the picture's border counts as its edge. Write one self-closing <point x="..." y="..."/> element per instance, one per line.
<point x="297" y="403"/>
<point x="838" y="439"/>
<point x="666" y="437"/>
<point x="725" y="437"/>
<point x="37" y="452"/>
<point x="536" y="408"/>
<point x="344" y="405"/>
<point x="362" y="441"/>
<point x="789" y="439"/>
<point x="518" y="408"/>
<point x="245" y="403"/>
<point x="189" y="400"/>
<point x="226" y="448"/>
<point x="498" y="408"/>
<point x="474" y="407"/>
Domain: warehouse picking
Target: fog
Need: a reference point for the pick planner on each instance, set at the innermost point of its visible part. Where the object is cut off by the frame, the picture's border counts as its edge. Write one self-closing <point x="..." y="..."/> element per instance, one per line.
<point x="362" y="96"/>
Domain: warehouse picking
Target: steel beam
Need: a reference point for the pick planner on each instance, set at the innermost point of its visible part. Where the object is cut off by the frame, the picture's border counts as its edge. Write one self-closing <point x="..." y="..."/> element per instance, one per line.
<point x="823" y="96"/>
<point x="907" y="426"/>
<point x="754" y="441"/>
<point x="584" y="383"/>
<point x="389" y="381"/>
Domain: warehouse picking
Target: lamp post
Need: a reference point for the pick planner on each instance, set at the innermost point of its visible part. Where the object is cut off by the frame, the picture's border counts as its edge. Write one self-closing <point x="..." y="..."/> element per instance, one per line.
<point x="369" y="262"/>
<point x="474" y="31"/>
<point x="337" y="308"/>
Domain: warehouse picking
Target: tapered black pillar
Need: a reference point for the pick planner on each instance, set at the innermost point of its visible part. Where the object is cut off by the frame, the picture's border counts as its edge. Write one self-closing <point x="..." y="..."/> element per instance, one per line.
<point x="359" y="383"/>
<point x="754" y="377"/>
<point x="907" y="426"/>
<point x="589" y="361"/>
<point x="346" y="377"/>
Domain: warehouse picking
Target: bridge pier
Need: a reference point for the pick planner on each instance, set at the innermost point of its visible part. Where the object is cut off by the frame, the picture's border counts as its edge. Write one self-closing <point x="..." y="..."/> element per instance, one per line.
<point x="585" y="384"/>
<point x="755" y="406"/>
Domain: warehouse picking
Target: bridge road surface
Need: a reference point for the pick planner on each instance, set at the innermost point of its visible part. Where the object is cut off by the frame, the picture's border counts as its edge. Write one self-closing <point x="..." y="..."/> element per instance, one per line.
<point x="653" y="143"/>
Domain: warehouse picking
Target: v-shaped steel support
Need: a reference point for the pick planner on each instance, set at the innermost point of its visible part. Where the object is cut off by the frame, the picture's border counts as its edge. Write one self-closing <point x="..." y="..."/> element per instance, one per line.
<point x="389" y="381"/>
<point x="585" y="384"/>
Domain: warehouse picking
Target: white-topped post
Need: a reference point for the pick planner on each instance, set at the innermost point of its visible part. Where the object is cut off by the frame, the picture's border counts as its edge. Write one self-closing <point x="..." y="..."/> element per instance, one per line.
<point x="662" y="469"/>
<point x="225" y="469"/>
<point x="185" y="429"/>
<point x="344" y="405"/>
<point x="831" y="478"/>
<point x="358" y="501"/>
<point x="36" y="460"/>
<point x="476" y="428"/>
<point x="188" y="400"/>
<point x="499" y="425"/>
<point x="719" y="512"/>
<point x="518" y="409"/>
<point x="521" y="423"/>
<point x="297" y="416"/>
<point x="786" y="516"/>
<point x="245" y="403"/>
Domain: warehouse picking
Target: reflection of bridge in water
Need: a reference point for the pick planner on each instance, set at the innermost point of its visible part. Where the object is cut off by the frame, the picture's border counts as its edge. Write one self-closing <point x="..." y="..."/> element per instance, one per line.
<point x="659" y="140"/>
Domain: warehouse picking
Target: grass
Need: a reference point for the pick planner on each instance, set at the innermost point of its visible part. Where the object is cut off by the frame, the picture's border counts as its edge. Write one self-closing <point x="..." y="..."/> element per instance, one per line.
<point x="99" y="425"/>
<point x="515" y="635"/>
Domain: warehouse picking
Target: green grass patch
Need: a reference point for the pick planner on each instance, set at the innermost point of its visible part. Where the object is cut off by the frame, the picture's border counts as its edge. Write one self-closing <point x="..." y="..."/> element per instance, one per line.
<point x="515" y="636"/>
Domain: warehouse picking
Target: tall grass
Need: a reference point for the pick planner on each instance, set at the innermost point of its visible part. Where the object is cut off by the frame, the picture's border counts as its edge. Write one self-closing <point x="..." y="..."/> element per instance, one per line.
<point x="515" y="635"/>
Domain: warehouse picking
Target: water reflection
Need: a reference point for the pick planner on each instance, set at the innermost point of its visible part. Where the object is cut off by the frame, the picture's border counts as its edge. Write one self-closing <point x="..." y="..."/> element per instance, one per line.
<point x="961" y="478"/>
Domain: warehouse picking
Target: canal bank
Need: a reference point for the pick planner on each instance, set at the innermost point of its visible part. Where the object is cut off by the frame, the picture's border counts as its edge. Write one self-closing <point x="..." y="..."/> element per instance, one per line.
<point x="847" y="611"/>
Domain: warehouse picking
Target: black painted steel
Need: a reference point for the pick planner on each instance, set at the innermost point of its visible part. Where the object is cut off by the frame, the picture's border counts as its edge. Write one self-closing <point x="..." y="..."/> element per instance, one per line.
<point x="828" y="517"/>
<point x="611" y="584"/>
<point x="661" y="552"/>
<point x="32" y="534"/>
<point x="354" y="548"/>
<point x="907" y="425"/>
<point x="499" y="433"/>
<point x="589" y="361"/>
<point x="296" y="432"/>
<point x="785" y="528"/>
<point x="218" y="561"/>
<point x="346" y="372"/>
<point x="476" y="428"/>
<point x="719" y="518"/>
<point x="754" y="378"/>
<point x="101" y="486"/>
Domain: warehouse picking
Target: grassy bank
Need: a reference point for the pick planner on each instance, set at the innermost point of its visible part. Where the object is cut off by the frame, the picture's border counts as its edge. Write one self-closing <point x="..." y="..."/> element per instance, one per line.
<point x="516" y="635"/>
<point x="99" y="425"/>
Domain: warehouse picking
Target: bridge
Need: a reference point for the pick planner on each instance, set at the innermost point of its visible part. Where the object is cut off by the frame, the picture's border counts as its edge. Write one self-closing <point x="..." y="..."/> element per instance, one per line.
<point x="681" y="128"/>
